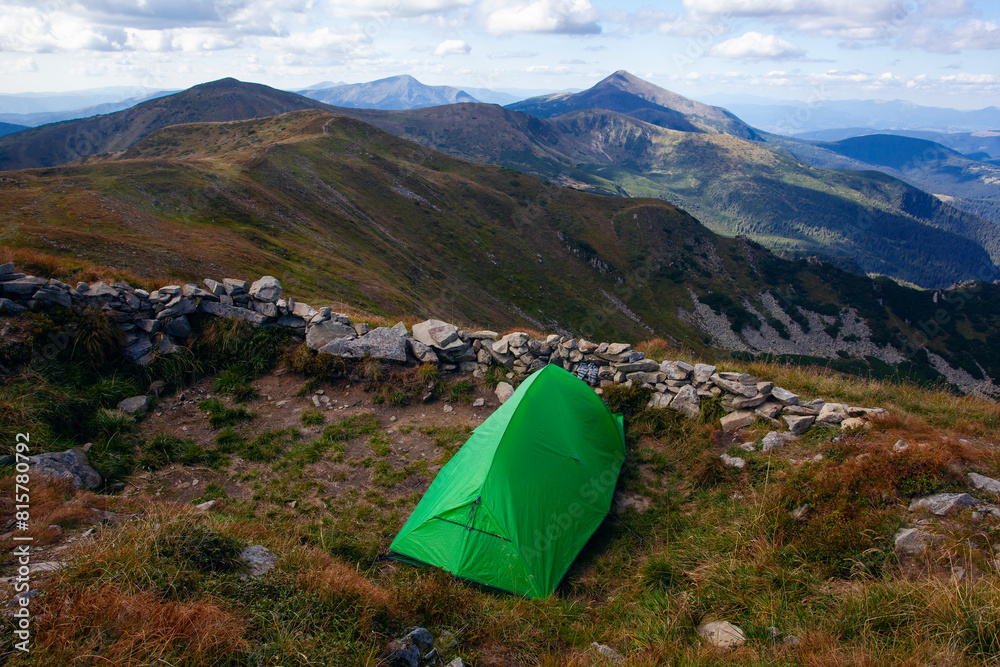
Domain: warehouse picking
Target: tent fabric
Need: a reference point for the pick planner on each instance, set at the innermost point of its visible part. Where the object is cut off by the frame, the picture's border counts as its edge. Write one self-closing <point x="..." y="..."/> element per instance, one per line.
<point x="516" y="504"/>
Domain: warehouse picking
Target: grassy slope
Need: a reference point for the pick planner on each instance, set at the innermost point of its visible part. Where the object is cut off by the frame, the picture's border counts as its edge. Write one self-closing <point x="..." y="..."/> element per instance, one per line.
<point x="733" y="186"/>
<point x="691" y="541"/>
<point x="329" y="205"/>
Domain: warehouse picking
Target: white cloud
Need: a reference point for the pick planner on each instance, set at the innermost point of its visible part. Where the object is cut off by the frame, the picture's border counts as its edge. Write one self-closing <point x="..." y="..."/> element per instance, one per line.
<point x="25" y="65"/>
<point x="504" y="55"/>
<point x="453" y="47"/>
<point x="756" y="46"/>
<point x="971" y="35"/>
<point x="868" y="20"/>
<point x="570" y="17"/>
<point x="395" y="8"/>
<point x="30" y="30"/>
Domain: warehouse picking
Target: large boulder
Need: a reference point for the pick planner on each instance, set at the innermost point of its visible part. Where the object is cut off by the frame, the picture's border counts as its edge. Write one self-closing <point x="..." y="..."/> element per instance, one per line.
<point x="266" y="289"/>
<point x="437" y="334"/>
<point x="71" y="465"/>
<point x="687" y="401"/>
<point x="320" y="334"/>
<point x="381" y="343"/>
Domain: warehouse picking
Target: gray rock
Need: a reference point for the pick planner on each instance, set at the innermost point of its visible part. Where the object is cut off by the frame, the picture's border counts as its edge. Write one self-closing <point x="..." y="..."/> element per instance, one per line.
<point x="687" y="401"/>
<point x="504" y="391"/>
<point x="167" y="345"/>
<point x="437" y="334"/>
<point x="831" y="414"/>
<point x="265" y="308"/>
<point x="738" y="420"/>
<point x="292" y="322"/>
<point x="22" y="288"/>
<point x="703" y="372"/>
<point x="743" y="403"/>
<point x="181" y="306"/>
<point x="8" y="306"/>
<point x="798" y="424"/>
<point x="942" y="504"/>
<point x="305" y="311"/>
<point x="266" y="289"/>
<point x="403" y="654"/>
<point x="913" y="541"/>
<point x="423" y="353"/>
<point x="381" y="343"/>
<point x="231" y="312"/>
<point x="319" y="335"/>
<point x="481" y="335"/>
<point x="206" y="506"/>
<point x="235" y="287"/>
<point x="361" y="328"/>
<point x="192" y="291"/>
<point x="806" y="410"/>
<point x="7" y="267"/>
<point x="53" y="296"/>
<point x="733" y="461"/>
<point x="722" y="634"/>
<point x="784" y="396"/>
<point x="984" y="483"/>
<point x="71" y="465"/>
<point x="457" y="662"/>
<point x="774" y="440"/>
<point x="608" y="655"/>
<point x="134" y="405"/>
<point x="643" y="377"/>
<point x="259" y="559"/>
<point x="179" y="327"/>
<point x="676" y="370"/>
<point x="734" y="386"/>
<point x="421" y="638"/>
<point x="660" y="400"/>
<point x="216" y="288"/>
<point x="139" y="351"/>
<point x="645" y="365"/>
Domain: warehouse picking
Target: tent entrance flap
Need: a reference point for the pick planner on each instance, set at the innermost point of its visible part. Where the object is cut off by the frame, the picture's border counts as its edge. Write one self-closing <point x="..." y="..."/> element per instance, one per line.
<point x="516" y="504"/>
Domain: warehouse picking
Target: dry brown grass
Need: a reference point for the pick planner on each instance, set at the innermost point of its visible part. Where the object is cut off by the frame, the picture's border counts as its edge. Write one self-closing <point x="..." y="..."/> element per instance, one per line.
<point x="73" y="269"/>
<point x="53" y="503"/>
<point x="105" y="625"/>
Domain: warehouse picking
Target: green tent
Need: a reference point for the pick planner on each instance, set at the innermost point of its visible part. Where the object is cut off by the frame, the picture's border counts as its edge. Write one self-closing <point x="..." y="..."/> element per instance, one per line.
<point x="517" y="503"/>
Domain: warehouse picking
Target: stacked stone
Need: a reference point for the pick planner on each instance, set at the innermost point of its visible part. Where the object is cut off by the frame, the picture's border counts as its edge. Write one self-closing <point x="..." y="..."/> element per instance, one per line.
<point x="158" y="321"/>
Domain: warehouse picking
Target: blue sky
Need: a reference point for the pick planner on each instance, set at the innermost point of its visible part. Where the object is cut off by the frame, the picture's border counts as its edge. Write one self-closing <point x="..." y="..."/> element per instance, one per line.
<point x="933" y="52"/>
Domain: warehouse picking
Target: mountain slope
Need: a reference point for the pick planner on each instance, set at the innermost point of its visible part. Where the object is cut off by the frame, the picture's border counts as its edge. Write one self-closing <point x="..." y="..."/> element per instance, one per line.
<point x="10" y="128"/>
<point x="395" y="92"/>
<point x="338" y="209"/>
<point x="968" y="184"/>
<point x="732" y="186"/>
<point x="627" y="94"/>
<point x="223" y="100"/>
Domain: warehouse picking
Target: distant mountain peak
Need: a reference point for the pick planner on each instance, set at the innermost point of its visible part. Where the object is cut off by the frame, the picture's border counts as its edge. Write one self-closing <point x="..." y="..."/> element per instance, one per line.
<point x="624" y="92"/>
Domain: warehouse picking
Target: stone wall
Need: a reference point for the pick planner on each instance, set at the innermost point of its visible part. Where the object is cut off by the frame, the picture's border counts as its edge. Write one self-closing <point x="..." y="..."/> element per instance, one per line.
<point x="157" y="322"/>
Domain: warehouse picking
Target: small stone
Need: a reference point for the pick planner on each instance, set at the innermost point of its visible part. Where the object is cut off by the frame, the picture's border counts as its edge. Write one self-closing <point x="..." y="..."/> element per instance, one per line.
<point x="722" y="634"/>
<point x="852" y="423"/>
<point x="984" y="483"/>
<point x="774" y="440"/>
<point x="448" y="408"/>
<point x="798" y="424"/>
<point x="608" y="655"/>
<point x="941" y="504"/>
<point x="900" y="446"/>
<point x="205" y="506"/>
<point x="134" y="405"/>
<point x="784" y="396"/>
<point x="738" y="420"/>
<point x="259" y="559"/>
<point x="913" y="541"/>
<point x="733" y="461"/>
<point x="504" y="391"/>
<point x="479" y="402"/>
<point x="421" y="638"/>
